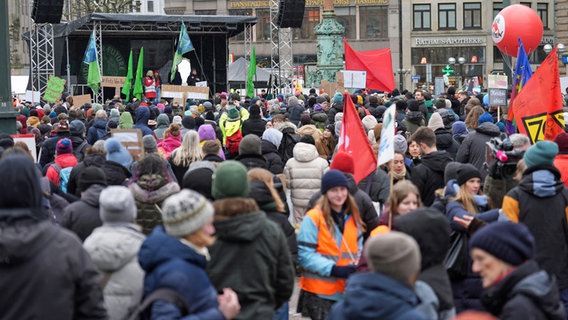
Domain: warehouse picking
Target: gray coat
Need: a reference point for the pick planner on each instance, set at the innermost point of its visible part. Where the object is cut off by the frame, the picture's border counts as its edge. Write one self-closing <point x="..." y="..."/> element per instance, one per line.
<point x="472" y="149"/>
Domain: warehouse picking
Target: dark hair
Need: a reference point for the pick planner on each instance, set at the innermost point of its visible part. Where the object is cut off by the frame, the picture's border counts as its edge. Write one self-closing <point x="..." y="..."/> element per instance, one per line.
<point x="425" y="135"/>
<point x="151" y="164"/>
<point x="308" y="139"/>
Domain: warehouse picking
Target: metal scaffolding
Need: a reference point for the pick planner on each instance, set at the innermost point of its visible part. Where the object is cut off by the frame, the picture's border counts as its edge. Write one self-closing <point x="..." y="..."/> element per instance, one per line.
<point x="281" y="57"/>
<point x="98" y="96"/>
<point x="42" y="59"/>
<point x="286" y="60"/>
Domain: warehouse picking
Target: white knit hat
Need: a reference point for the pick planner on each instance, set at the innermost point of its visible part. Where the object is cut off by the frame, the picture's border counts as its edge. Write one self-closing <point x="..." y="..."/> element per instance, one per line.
<point x="185" y="212"/>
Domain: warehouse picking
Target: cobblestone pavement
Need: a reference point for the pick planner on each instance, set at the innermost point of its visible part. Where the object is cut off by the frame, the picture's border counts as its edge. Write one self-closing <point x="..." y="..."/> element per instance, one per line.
<point x="294" y="302"/>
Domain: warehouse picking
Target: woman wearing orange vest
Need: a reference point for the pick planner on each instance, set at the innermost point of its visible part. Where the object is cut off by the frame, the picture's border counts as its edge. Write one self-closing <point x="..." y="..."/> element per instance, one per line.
<point x="329" y="246"/>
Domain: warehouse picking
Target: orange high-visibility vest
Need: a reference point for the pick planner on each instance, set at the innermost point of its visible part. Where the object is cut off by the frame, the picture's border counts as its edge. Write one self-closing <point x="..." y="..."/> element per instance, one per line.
<point x="327" y="247"/>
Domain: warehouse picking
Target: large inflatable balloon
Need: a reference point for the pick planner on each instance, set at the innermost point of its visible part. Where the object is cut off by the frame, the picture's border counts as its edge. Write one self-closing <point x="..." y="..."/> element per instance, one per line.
<point x="514" y="22"/>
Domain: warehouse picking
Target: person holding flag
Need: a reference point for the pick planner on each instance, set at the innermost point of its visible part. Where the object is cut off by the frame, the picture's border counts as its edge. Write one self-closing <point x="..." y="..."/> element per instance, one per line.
<point x="184" y="45"/>
<point x="91" y="58"/>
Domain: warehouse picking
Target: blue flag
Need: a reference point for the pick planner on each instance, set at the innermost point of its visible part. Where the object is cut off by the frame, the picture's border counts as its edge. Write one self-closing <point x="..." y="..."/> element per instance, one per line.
<point x="184" y="45"/>
<point x="523" y="73"/>
<point x="91" y="58"/>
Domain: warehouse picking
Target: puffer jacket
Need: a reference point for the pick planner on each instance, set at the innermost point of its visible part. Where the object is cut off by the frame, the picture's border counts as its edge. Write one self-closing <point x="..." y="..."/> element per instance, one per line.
<point x="265" y="279"/>
<point x="272" y="157"/>
<point x="428" y="176"/>
<point x="304" y="172"/>
<point x="114" y="251"/>
<point x="446" y="142"/>
<point x="472" y="149"/>
<point x="149" y="192"/>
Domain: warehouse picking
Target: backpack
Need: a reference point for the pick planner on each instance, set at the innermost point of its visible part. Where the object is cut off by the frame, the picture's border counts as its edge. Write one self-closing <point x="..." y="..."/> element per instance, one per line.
<point x="63" y="176"/>
<point x="142" y="310"/>
<point x="286" y="148"/>
<point x="78" y="152"/>
<point x="233" y="141"/>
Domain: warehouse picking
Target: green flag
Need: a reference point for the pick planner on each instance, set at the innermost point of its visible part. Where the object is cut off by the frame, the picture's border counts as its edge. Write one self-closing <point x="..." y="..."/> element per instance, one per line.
<point x="138" y="88"/>
<point x="184" y="45"/>
<point x="92" y="59"/>
<point x="127" y="86"/>
<point x="251" y="73"/>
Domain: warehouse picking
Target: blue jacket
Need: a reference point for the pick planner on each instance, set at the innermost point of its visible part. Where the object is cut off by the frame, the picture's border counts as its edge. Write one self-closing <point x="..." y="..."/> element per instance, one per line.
<point x="141" y="122"/>
<point x="96" y="131"/>
<point x="170" y="263"/>
<point x="375" y="296"/>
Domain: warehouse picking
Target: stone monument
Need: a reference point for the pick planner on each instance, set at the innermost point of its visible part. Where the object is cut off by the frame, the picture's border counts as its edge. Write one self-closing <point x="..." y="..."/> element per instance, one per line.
<point x="329" y="46"/>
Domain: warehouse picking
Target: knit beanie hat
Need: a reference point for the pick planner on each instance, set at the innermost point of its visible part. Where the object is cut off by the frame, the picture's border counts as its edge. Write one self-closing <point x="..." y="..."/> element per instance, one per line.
<point x="343" y="162"/>
<point x="510" y="242"/>
<point x="338" y="97"/>
<point x="501" y="126"/>
<point x="562" y="142"/>
<point x="150" y="144"/>
<point x="435" y="121"/>
<point x="467" y="171"/>
<point x="6" y="141"/>
<point x="199" y="179"/>
<point x="250" y="145"/>
<point x="273" y="136"/>
<point x="188" y="122"/>
<point x="485" y="117"/>
<point x="76" y="128"/>
<point x="400" y="143"/>
<point x="185" y="212"/>
<point x="230" y="180"/>
<point x="116" y="152"/>
<point x="393" y="254"/>
<point x="318" y="107"/>
<point x="90" y="176"/>
<point x="176" y="120"/>
<point x="414" y="106"/>
<point x="331" y="179"/>
<point x="451" y="171"/>
<point x="541" y="153"/>
<point x="233" y="113"/>
<point x="207" y="105"/>
<point x="64" y="146"/>
<point x="369" y="122"/>
<point x="254" y="110"/>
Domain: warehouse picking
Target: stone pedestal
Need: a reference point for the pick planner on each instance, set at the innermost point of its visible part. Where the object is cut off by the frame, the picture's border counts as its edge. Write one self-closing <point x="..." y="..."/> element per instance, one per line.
<point x="329" y="46"/>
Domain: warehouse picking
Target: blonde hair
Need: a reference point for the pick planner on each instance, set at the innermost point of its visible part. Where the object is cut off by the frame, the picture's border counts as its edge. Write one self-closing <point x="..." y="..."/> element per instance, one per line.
<point x="399" y="192"/>
<point x="259" y="174"/>
<point x="201" y="239"/>
<point x="466" y="199"/>
<point x="189" y="151"/>
<point x="471" y="121"/>
<point x="351" y="207"/>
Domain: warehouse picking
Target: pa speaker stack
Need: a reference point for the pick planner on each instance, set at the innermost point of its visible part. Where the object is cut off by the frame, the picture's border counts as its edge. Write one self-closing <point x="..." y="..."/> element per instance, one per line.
<point x="47" y="11"/>
<point x="291" y="13"/>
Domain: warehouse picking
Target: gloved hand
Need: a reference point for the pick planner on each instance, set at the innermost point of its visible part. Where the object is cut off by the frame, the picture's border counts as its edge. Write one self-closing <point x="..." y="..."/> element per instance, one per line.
<point x="342" y="271"/>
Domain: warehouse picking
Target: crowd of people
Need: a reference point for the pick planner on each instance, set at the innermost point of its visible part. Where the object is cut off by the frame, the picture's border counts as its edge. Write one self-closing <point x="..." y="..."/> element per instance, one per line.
<point x="235" y="201"/>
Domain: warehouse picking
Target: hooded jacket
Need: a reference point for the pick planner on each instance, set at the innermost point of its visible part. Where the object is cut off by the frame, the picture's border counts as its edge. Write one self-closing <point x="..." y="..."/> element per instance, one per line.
<point x="446" y="142"/>
<point x="428" y="176"/>
<point x="272" y="157"/>
<point x="295" y="110"/>
<point x="472" y="149"/>
<point x="114" y="251"/>
<point x="96" y="131"/>
<point x="170" y="263"/>
<point x="265" y="279"/>
<point x="142" y="117"/>
<point x="254" y="125"/>
<point x="163" y="123"/>
<point x="125" y="121"/>
<point x="541" y="187"/>
<point x="413" y="120"/>
<point x="304" y="172"/>
<point x="64" y="161"/>
<point x="525" y="293"/>
<point x="375" y="296"/>
<point x="116" y="174"/>
<point x="82" y="217"/>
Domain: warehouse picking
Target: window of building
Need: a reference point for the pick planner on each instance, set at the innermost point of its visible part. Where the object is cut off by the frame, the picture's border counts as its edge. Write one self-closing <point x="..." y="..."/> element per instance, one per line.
<point x="311" y="20"/>
<point x="346" y="16"/>
<point x="240" y="12"/>
<point x="542" y="9"/>
<point x="421" y="17"/>
<point x="373" y="22"/>
<point x="206" y="12"/>
<point x="150" y="6"/>
<point x="446" y="16"/>
<point x="528" y="4"/>
<point x="263" y="25"/>
<point x="472" y="15"/>
<point x="497" y="7"/>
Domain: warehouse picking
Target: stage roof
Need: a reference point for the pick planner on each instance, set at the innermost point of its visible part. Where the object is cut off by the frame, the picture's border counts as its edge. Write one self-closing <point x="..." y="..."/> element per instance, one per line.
<point x="155" y="25"/>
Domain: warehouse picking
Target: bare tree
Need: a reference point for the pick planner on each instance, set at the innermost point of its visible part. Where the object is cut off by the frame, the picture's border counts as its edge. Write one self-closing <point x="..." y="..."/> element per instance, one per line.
<point x="83" y="7"/>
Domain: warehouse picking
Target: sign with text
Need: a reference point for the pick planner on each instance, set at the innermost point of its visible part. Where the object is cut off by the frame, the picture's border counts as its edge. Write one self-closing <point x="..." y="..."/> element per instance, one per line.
<point x="354" y="79"/>
<point x="54" y="89"/>
<point x="497" y="97"/>
<point x="113" y="82"/>
<point x="497" y="81"/>
<point x="80" y="100"/>
<point x="185" y="92"/>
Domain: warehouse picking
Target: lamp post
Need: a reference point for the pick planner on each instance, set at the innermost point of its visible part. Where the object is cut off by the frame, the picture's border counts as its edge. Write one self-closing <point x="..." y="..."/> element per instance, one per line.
<point x="402" y="74"/>
<point x="461" y="61"/>
<point x="561" y="52"/>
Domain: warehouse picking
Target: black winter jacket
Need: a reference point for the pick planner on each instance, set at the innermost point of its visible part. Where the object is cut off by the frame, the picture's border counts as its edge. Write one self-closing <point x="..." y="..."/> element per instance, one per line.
<point x="429" y="175"/>
<point x="446" y="142"/>
<point x="116" y="174"/>
<point x="252" y="161"/>
<point x="379" y="188"/>
<point x="272" y="157"/>
<point x="255" y="125"/>
<point x="82" y="217"/>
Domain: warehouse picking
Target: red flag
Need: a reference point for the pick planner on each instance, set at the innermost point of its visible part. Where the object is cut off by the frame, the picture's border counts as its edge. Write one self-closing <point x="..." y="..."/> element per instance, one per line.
<point x="538" y="107"/>
<point x="353" y="140"/>
<point x="377" y="63"/>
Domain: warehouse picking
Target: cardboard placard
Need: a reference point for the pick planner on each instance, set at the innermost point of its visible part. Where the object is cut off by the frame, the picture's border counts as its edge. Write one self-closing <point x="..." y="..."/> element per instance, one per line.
<point x="497" y="81"/>
<point x="131" y="139"/>
<point x="80" y="100"/>
<point x="113" y="82"/>
<point x="331" y="87"/>
<point x="29" y="140"/>
<point x="54" y="89"/>
<point x="185" y="92"/>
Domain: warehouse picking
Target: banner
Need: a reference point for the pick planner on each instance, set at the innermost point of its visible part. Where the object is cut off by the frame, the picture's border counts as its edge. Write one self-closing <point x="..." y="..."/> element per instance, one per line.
<point x="386" y="148"/>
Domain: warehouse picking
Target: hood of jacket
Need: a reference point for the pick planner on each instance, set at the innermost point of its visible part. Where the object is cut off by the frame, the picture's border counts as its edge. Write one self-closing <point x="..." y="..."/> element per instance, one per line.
<point x="415" y="117"/>
<point x="541" y="181"/>
<point x="66" y="160"/>
<point x="527" y="280"/>
<point x="365" y="289"/>
<point x="125" y="120"/>
<point x="92" y="194"/>
<point x="163" y="121"/>
<point x="142" y="116"/>
<point x="437" y="161"/>
<point x="111" y="246"/>
<point x="444" y="138"/>
<point x="206" y="132"/>
<point x="260" y="193"/>
<point x="488" y="128"/>
<point x="22" y="239"/>
<point x="160" y="248"/>
<point x="238" y="219"/>
<point x="100" y="124"/>
<point x="94" y="159"/>
<point x="153" y="188"/>
<point x="305" y="152"/>
<point x="267" y="147"/>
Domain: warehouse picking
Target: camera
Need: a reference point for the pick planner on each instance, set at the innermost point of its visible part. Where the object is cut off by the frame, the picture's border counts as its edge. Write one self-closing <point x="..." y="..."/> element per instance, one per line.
<point x="501" y="158"/>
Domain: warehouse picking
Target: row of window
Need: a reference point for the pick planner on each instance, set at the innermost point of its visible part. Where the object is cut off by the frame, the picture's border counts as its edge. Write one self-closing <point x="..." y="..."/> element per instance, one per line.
<point x="472" y="17"/>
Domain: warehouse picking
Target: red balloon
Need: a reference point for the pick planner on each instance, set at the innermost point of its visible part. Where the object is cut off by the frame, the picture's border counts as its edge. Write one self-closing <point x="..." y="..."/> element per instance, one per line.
<point x="514" y="22"/>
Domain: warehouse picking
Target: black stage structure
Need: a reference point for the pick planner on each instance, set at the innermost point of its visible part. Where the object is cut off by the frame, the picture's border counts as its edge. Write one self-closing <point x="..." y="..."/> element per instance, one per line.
<point x="117" y="34"/>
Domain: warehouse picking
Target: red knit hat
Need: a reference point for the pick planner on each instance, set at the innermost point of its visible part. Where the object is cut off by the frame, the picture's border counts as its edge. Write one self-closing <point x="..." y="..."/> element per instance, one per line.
<point x="343" y="162"/>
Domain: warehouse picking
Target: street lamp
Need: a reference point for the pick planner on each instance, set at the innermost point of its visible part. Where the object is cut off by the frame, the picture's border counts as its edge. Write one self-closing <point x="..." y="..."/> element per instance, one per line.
<point x="561" y="49"/>
<point x="461" y="61"/>
<point x="402" y="73"/>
